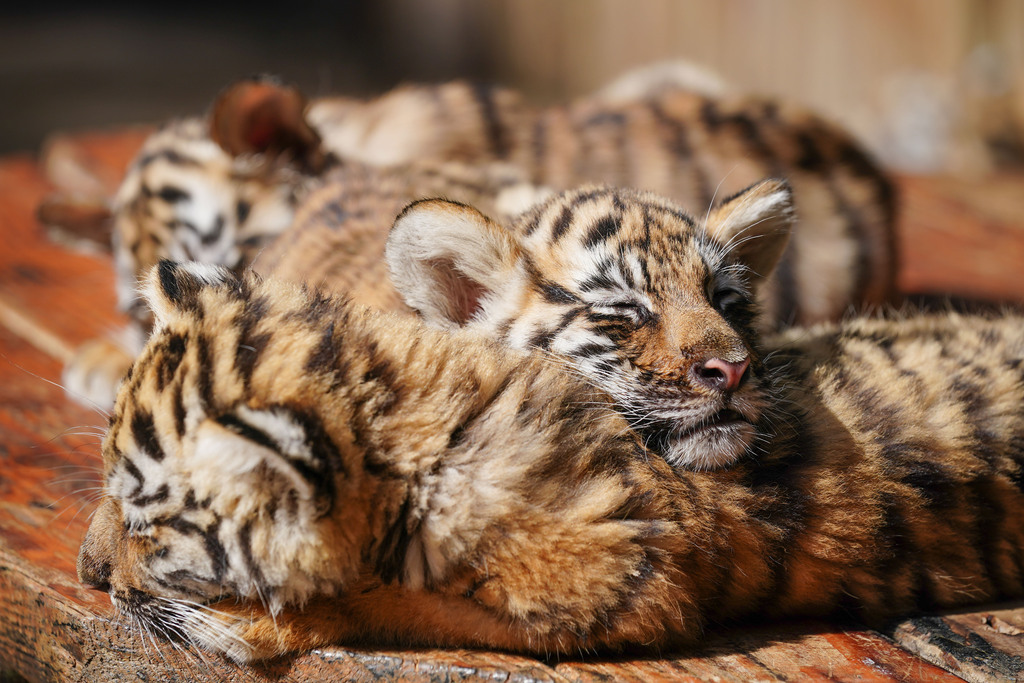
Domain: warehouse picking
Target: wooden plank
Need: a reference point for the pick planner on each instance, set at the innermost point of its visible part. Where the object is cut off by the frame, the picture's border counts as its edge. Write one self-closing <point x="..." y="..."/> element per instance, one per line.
<point x="73" y="298"/>
<point x="781" y="652"/>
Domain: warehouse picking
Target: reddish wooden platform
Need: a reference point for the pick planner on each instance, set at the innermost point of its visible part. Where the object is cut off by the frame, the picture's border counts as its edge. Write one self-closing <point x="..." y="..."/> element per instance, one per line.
<point x="959" y="237"/>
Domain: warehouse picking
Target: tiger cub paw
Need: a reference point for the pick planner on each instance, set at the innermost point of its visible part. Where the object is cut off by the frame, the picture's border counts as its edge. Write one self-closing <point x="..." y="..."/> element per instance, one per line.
<point x="93" y="375"/>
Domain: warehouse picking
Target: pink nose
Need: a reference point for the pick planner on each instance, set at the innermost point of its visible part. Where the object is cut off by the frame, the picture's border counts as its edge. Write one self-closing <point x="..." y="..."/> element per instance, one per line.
<point x="720" y="375"/>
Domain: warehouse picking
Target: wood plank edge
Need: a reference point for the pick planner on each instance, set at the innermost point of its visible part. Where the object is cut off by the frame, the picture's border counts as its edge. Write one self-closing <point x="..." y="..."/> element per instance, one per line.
<point x="971" y="657"/>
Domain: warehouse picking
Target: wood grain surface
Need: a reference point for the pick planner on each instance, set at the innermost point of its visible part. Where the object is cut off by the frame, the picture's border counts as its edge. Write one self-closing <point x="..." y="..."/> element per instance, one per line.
<point x="960" y="238"/>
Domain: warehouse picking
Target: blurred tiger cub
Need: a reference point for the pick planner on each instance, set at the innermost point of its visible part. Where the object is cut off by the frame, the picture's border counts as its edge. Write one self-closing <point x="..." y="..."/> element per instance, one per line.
<point x="219" y="190"/>
<point x="284" y="470"/>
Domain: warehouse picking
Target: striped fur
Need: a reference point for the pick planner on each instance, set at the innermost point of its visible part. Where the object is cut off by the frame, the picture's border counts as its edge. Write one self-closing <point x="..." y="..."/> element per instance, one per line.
<point x="217" y="190"/>
<point x="286" y="471"/>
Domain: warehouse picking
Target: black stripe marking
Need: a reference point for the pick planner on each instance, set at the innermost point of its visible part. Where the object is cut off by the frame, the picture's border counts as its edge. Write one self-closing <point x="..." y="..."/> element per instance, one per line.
<point x="179" y="411"/>
<point x="179" y="286"/>
<point x="496" y="138"/>
<point x="323" y="355"/>
<point x="604" y="229"/>
<point x="395" y="545"/>
<point x="215" y="233"/>
<point x="381" y="373"/>
<point x="247" y="431"/>
<point x="542" y="340"/>
<point x="170" y="359"/>
<point x="144" y="431"/>
<point x="247" y="355"/>
<point x="554" y="294"/>
<point x="590" y="350"/>
<point x="136" y="474"/>
<point x="455" y="438"/>
<point x="204" y="376"/>
<point x="561" y="224"/>
<point x="245" y="543"/>
<point x="168" y="155"/>
<point x="242" y="209"/>
<point x="158" y="496"/>
<point x="168" y="193"/>
<point x="211" y="543"/>
<point x="601" y="280"/>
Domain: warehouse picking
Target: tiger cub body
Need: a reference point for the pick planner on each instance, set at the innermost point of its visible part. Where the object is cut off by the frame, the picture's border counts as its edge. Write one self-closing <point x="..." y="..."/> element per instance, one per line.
<point x="285" y="471"/>
<point x="263" y="150"/>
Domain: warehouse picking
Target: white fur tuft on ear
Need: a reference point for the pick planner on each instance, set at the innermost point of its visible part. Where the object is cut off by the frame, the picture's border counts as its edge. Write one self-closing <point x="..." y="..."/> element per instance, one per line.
<point x="447" y="259"/>
<point x="754" y="225"/>
<point x="171" y="288"/>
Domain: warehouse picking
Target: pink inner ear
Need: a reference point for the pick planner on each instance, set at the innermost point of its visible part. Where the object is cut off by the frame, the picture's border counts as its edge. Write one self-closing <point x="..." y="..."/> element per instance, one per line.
<point x="259" y="117"/>
<point x="462" y="294"/>
<point x="466" y="297"/>
<point x="261" y="133"/>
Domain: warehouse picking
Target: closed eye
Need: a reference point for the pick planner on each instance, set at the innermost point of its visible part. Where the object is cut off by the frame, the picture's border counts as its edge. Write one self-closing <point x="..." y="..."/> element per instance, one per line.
<point x="171" y="194"/>
<point x="628" y="310"/>
<point x="726" y="297"/>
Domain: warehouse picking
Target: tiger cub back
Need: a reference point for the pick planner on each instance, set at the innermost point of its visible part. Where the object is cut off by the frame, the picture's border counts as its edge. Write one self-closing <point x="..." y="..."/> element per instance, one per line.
<point x="698" y="151"/>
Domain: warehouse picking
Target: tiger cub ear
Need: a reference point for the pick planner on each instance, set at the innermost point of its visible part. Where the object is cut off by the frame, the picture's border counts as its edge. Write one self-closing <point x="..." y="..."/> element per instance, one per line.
<point x="447" y="260"/>
<point x="754" y="225"/>
<point x="172" y="289"/>
<point x="263" y="116"/>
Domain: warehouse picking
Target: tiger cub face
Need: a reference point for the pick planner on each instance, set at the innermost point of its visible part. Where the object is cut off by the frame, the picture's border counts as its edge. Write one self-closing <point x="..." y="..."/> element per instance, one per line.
<point x="654" y="306"/>
<point x="215" y="189"/>
<point x="185" y="198"/>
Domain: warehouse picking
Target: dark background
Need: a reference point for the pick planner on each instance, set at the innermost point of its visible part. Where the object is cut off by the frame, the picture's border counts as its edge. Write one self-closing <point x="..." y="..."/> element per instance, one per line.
<point x="927" y="85"/>
<point x="73" y="65"/>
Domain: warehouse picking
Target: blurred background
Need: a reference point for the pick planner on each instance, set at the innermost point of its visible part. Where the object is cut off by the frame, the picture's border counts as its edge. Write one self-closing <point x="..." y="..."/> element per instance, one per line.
<point x="928" y="85"/>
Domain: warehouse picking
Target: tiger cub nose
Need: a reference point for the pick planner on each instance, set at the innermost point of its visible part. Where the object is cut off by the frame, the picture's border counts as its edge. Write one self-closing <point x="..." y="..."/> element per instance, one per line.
<point x="720" y="375"/>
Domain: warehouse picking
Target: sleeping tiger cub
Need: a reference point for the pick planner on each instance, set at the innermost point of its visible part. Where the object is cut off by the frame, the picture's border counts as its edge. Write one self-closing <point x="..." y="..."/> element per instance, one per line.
<point x="285" y="470"/>
<point x="218" y="191"/>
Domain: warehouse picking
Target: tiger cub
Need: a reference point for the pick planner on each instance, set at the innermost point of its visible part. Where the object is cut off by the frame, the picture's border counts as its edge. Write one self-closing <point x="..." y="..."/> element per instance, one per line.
<point x="285" y="471"/>
<point x="217" y="191"/>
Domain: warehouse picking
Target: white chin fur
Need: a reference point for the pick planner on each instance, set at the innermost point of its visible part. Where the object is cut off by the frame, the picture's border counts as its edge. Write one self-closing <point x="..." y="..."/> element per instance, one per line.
<point x="710" y="448"/>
